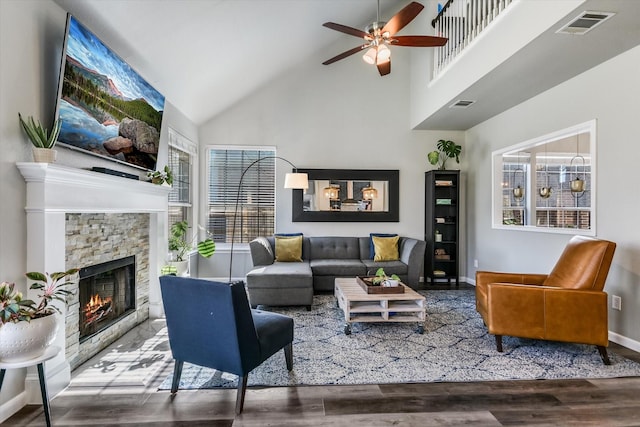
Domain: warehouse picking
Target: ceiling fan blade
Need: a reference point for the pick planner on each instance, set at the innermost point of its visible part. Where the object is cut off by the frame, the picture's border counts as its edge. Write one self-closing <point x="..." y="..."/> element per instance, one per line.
<point x="344" y="54"/>
<point x="402" y="18"/>
<point x="347" y="30"/>
<point x="418" y="41"/>
<point x="384" y="68"/>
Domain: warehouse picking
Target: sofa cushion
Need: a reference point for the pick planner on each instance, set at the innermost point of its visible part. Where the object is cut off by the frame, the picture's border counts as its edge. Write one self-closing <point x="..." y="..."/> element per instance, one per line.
<point x="390" y="267"/>
<point x="386" y="248"/>
<point x="337" y="267"/>
<point x="281" y="275"/>
<point x="289" y="248"/>
<point x="334" y="248"/>
<point x="372" y="249"/>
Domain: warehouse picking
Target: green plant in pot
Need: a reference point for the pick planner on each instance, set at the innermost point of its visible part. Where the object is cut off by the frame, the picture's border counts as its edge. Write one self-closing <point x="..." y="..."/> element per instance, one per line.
<point x="160" y="177"/>
<point x="43" y="141"/>
<point x="27" y="328"/>
<point x="446" y="150"/>
<point x="180" y="245"/>
<point x="381" y="278"/>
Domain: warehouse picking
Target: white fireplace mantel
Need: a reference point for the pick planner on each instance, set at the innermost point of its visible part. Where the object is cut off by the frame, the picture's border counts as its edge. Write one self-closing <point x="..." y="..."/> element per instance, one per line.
<point x="52" y="192"/>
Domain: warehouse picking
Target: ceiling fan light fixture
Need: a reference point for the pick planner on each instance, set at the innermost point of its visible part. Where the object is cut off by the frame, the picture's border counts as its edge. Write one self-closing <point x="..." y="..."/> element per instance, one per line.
<point x="370" y="56"/>
<point x="384" y="53"/>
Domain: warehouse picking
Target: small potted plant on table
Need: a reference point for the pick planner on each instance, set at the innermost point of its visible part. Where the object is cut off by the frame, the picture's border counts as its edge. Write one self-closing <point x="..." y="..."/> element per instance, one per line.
<point x="27" y="329"/>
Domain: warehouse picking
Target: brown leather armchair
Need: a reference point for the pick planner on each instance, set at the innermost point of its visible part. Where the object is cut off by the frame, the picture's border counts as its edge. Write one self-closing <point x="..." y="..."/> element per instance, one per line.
<point x="567" y="305"/>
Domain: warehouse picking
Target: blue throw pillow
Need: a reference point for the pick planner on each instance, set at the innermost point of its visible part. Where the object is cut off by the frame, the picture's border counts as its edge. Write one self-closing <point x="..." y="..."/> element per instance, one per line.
<point x="372" y="250"/>
<point x="288" y="234"/>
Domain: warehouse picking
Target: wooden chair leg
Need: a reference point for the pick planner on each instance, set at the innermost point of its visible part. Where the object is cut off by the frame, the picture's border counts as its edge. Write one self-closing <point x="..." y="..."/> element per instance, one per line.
<point x="499" y="343"/>
<point x="177" y="372"/>
<point x="603" y="355"/>
<point x="242" y="388"/>
<point x="288" y="355"/>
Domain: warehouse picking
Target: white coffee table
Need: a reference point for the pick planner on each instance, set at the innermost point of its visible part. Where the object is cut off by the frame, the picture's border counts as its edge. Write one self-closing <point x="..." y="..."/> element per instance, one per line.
<point x="359" y="306"/>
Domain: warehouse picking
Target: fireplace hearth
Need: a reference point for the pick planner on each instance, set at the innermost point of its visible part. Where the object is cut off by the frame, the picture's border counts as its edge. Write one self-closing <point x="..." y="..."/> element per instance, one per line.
<point x="107" y="294"/>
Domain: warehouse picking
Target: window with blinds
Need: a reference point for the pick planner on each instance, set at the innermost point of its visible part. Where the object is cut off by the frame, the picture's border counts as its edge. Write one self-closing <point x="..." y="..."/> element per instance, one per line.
<point x="181" y="151"/>
<point x="256" y="199"/>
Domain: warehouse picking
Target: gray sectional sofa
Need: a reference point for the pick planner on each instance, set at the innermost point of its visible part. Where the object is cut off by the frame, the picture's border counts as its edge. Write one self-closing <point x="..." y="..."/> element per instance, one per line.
<point x="323" y="259"/>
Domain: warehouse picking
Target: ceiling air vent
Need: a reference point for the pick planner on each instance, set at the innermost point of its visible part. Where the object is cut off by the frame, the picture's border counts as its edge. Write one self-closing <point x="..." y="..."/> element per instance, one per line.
<point x="585" y="22"/>
<point x="461" y="104"/>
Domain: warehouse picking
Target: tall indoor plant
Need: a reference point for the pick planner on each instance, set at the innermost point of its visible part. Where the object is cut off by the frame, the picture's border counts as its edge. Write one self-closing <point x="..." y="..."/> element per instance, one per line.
<point x="43" y="141"/>
<point x="27" y="328"/>
<point x="446" y="150"/>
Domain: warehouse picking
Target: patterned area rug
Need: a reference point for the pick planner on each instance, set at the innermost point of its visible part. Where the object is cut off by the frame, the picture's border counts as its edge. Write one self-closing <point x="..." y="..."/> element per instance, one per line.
<point x="454" y="347"/>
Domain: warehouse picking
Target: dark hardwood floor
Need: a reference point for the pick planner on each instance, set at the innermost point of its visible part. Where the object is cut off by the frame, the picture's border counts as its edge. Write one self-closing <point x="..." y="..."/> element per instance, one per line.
<point x="595" y="402"/>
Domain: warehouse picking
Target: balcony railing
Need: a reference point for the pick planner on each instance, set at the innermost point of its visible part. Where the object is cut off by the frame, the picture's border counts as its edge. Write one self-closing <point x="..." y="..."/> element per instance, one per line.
<point x="461" y="21"/>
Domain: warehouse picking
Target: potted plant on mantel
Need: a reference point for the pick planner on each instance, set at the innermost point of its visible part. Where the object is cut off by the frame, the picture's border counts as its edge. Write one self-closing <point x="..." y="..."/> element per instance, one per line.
<point x="161" y="177"/>
<point x="180" y="246"/>
<point x="446" y="150"/>
<point x="27" y="329"/>
<point x="43" y="141"/>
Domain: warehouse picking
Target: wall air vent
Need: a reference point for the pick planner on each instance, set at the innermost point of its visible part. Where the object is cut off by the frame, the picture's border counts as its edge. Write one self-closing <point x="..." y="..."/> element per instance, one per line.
<point x="461" y="104"/>
<point x="585" y="22"/>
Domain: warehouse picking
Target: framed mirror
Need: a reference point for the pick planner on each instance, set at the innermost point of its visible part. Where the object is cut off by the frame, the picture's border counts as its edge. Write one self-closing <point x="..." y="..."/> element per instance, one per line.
<point x="547" y="183"/>
<point x="348" y="195"/>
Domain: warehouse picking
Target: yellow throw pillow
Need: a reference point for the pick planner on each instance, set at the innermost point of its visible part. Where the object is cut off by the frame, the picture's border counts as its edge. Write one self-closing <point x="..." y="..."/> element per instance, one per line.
<point x="289" y="248"/>
<point x="386" y="248"/>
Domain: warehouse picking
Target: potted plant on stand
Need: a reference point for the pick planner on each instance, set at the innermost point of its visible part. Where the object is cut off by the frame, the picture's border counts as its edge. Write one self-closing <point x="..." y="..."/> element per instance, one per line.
<point x="27" y="329"/>
<point x="446" y="150"/>
<point x="43" y="141"/>
<point x="180" y="246"/>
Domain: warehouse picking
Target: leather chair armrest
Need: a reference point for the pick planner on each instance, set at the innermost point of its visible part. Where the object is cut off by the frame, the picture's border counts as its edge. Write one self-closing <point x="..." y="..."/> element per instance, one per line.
<point x="514" y="307"/>
<point x="484" y="277"/>
<point x="576" y="315"/>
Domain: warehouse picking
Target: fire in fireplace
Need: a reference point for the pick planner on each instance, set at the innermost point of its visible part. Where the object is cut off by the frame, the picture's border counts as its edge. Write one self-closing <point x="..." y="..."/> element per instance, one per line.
<point x="107" y="294"/>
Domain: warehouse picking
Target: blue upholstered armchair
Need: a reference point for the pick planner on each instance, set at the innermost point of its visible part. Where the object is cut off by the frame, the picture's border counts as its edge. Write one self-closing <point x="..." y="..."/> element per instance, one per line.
<point x="211" y="324"/>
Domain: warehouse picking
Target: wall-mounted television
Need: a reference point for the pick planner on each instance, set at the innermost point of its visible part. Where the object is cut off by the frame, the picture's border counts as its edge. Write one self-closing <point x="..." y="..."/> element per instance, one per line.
<point x="106" y="108"/>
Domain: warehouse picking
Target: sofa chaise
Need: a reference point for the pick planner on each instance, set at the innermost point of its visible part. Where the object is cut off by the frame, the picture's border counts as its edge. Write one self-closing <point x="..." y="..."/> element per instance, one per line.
<point x="323" y="259"/>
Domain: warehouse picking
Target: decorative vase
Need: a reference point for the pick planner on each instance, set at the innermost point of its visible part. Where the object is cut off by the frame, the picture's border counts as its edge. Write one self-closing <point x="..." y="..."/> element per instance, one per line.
<point x="181" y="266"/>
<point x="44" y="155"/>
<point x="27" y="340"/>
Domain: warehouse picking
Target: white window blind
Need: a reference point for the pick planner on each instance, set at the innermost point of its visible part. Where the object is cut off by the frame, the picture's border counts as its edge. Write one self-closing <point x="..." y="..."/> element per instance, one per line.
<point x="181" y="151"/>
<point x="256" y="206"/>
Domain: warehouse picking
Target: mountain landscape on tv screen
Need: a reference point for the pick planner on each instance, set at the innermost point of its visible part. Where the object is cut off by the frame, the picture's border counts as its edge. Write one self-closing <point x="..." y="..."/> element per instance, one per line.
<point x="106" y="108"/>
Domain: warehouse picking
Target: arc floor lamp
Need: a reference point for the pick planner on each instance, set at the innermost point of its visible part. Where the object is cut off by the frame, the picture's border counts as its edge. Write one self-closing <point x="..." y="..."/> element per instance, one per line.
<point x="292" y="180"/>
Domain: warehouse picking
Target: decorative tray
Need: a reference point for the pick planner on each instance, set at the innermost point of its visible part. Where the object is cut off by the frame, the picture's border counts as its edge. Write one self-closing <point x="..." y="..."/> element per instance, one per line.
<point x="366" y="283"/>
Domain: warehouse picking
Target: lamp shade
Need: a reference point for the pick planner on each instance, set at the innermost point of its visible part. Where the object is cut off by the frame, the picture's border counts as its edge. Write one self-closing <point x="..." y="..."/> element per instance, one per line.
<point x="331" y="192"/>
<point x="298" y="181"/>
<point x="370" y="56"/>
<point x="369" y="193"/>
<point x="384" y="53"/>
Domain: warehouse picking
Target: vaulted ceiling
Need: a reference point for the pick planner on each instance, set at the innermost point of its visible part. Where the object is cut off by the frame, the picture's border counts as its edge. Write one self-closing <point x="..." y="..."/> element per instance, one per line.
<point x="205" y="55"/>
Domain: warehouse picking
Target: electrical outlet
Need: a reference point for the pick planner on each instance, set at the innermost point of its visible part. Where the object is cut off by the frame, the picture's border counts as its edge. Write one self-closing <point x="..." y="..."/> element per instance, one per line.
<point x="616" y="302"/>
<point x="475" y="263"/>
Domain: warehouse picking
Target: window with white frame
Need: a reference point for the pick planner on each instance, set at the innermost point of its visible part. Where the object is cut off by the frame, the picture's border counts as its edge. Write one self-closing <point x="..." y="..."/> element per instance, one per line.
<point x="548" y="183"/>
<point x="255" y="200"/>
<point x="180" y="160"/>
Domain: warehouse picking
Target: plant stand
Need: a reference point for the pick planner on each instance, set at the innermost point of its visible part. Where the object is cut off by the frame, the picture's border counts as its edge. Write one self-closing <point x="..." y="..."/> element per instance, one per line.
<point x="50" y="353"/>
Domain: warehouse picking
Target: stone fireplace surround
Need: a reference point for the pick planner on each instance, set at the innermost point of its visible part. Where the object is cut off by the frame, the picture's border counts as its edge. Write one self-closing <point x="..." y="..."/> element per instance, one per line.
<point x="55" y="194"/>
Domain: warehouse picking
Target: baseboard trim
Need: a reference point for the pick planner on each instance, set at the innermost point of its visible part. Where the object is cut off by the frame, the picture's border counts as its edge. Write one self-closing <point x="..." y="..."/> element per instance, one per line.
<point x="10" y="407"/>
<point x="624" y="341"/>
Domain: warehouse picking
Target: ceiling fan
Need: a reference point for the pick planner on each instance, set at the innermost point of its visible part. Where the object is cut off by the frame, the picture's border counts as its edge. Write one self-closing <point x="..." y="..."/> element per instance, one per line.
<point x="379" y="35"/>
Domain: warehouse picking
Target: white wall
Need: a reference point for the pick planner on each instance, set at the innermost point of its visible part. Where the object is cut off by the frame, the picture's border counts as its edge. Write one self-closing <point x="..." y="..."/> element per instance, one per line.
<point x="609" y="94"/>
<point x="31" y="36"/>
<point x="342" y="116"/>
